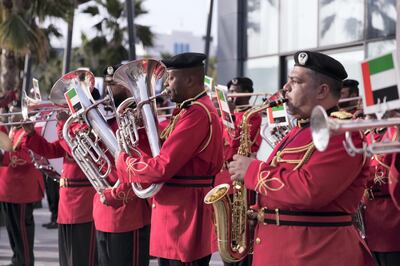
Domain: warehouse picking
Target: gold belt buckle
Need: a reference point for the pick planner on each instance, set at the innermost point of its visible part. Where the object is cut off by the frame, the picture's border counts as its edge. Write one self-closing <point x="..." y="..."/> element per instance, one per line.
<point x="277" y="217"/>
<point x="62" y="182"/>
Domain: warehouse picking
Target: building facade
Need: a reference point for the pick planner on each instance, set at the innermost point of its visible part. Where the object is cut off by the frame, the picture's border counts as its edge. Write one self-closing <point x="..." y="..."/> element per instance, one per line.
<point x="257" y="38"/>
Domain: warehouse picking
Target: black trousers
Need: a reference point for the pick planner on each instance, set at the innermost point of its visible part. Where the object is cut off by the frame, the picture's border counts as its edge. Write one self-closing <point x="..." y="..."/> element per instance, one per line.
<point x="124" y="249"/>
<point x="205" y="261"/>
<point x="387" y="258"/>
<point x="21" y="231"/>
<point x="77" y="244"/>
<point x="52" y="194"/>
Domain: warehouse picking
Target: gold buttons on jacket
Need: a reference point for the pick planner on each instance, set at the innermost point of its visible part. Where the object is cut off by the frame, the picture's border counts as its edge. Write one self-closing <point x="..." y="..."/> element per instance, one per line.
<point x="258" y="240"/>
<point x="153" y="205"/>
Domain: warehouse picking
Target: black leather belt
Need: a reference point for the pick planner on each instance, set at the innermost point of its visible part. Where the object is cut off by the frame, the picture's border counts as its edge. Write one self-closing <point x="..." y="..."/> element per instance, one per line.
<point x="70" y="182"/>
<point x="305" y="218"/>
<point x="191" y="181"/>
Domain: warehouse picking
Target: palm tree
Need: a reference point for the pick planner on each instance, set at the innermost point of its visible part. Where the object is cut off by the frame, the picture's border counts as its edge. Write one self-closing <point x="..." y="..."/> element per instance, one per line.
<point x="20" y="35"/>
<point x="109" y="46"/>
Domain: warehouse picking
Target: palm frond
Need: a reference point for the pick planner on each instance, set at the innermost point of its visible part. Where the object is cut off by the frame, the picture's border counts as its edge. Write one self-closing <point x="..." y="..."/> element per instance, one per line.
<point x="92" y="10"/>
<point x="145" y="35"/>
<point x="16" y="35"/>
<point x="114" y="8"/>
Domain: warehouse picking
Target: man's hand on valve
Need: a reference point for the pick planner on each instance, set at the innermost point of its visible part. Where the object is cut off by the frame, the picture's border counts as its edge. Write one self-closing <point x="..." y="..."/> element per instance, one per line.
<point x="238" y="167"/>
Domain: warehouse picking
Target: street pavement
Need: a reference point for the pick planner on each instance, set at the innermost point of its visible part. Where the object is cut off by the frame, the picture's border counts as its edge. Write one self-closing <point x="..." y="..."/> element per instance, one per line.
<point x="46" y="243"/>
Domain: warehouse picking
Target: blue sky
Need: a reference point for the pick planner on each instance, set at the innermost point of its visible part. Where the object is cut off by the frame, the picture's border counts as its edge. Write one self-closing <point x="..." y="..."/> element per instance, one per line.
<point x="163" y="17"/>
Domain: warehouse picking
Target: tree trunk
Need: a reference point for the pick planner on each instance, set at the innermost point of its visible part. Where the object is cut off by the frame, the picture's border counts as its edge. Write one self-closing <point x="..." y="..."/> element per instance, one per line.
<point x="9" y="71"/>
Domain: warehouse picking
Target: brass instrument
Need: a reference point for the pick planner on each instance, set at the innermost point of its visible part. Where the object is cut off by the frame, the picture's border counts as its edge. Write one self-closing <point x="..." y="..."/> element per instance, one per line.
<point x="322" y="127"/>
<point x="141" y="77"/>
<point x="87" y="145"/>
<point x="231" y="217"/>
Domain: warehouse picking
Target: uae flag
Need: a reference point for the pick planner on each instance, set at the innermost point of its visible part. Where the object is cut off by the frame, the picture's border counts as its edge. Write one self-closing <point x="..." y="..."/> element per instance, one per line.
<point x="208" y="82"/>
<point x="380" y="81"/>
<point x="226" y="115"/>
<point x="73" y="101"/>
<point x="277" y="116"/>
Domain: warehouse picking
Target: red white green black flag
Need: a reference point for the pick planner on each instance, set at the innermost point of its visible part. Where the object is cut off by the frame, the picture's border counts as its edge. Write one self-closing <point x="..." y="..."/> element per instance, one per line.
<point x="277" y="116"/>
<point x="380" y="79"/>
<point x="73" y="101"/>
<point x="226" y="115"/>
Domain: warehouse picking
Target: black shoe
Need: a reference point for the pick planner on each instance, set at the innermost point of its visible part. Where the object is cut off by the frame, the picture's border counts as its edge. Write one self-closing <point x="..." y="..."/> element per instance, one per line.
<point x="51" y="225"/>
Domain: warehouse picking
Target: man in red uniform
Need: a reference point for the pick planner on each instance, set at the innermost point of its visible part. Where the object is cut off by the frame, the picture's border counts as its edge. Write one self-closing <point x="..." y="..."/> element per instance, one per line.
<point x="394" y="176"/>
<point x="232" y="136"/>
<point x="381" y="217"/>
<point x="21" y="185"/>
<point x="76" y="232"/>
<point x="191" y="155"/>
<point x="121" y="218"/>
<point x="307" y="197"/>
<point x="349" y="90"/>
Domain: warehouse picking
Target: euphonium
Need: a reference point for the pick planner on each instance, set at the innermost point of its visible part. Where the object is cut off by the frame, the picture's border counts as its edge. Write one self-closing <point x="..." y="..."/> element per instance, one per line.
<point x="141" y="77"/>
<point x="231" y="217"/>
<point x="89" y="146"/>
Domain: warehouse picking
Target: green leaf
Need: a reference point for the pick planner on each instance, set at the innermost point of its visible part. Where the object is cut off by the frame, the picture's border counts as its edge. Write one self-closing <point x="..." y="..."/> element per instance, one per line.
<point x="92" y="10"/>
<point x="16" y="35"/>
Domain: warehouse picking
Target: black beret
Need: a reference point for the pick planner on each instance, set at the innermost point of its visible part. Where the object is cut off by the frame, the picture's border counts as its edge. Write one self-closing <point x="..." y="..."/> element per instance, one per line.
<point x="350" y="83"/>
<point x="321" y="63"/>
<point x="243" y="82"/>
<point x="185" y="60"/>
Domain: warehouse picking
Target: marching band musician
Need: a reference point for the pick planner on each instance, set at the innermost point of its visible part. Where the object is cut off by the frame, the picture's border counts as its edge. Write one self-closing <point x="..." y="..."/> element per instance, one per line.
<point x="307" y="197"/>
<point x="182" y="231"/>
<point x="394" y="176"/>
<point x="349" y="90"/>
<point x="76" y="232"/>
<point x="381" y="217"/>
<point x="231" y="137"/>
<point x="21" y="185"/>
<point x="121" y="218"/>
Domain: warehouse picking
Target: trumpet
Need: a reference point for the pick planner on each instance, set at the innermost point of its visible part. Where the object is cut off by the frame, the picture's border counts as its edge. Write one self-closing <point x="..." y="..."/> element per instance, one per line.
<point x="323" y="127"/>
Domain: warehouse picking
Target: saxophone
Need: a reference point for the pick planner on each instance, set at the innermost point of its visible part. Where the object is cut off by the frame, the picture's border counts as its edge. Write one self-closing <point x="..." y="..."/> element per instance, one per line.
<point x="231" y="216"/>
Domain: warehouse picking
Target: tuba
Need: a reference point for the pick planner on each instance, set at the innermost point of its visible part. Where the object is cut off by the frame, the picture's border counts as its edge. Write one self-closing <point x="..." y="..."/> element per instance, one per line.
<point x="89" y="146"/>
<point x="232" y="217"/>
<point x="141" y="77"/>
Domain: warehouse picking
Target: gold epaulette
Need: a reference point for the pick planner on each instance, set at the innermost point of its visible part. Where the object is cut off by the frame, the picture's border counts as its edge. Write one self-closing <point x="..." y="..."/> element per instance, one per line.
<point x="342" y="115"/>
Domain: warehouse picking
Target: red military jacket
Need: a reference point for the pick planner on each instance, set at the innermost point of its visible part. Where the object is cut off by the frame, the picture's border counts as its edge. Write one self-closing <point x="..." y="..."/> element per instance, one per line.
<point x="76" y="202"/>
<point x="130" y="212"/>
<point x="394" y="176"/>
<point x="297" y="177"/>
<point x="232" y="143"/>
<point x="181" y="224"/>
<point x="381" y="217"/>
<point x="20" y="181"/>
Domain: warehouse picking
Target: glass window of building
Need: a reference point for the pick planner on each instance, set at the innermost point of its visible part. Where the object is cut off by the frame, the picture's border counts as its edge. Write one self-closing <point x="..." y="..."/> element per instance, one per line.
<point x="351" y="60"/>
<point x="340" y="21"/>
<point x="380" y="48"/>
<point x="264" y="73"/>
<point x="262" y="27"/>
<point x="381" y="18"/>
<point x="298" y="24"/>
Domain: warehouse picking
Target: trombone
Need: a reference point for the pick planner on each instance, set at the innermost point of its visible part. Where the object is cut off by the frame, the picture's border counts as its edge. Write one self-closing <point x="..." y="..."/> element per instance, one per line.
<point x="323" y="127"/>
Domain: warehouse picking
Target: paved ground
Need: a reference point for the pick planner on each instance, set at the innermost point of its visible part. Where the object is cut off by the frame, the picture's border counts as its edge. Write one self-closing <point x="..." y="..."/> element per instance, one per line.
<point x="46" y="245"/>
